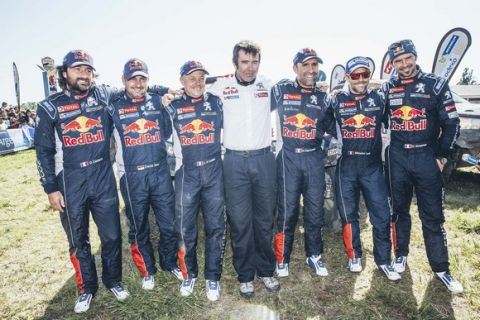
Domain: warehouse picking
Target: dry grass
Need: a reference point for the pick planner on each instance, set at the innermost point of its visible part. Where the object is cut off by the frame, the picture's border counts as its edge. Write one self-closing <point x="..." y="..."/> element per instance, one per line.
<point x="36" y="278"/>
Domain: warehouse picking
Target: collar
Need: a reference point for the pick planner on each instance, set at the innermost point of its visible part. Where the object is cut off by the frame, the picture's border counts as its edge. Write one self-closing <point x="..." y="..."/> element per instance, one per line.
<point x="303" y="88"/>
<point x="75" y="94"/>
<point x="244" y="83"/>
<point x="136" y="100"/>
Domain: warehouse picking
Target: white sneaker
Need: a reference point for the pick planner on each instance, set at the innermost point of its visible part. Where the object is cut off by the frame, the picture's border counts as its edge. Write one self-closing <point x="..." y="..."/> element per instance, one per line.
<point x="270" y="283"/>
<point x="399" y="263"/>
<point x="148" y="282"/>
<point x="317" y="265"/>
<point x="247" y="290"/>
<point x="83" y="303"/>
<point x="281" y="270"/>
<point x="187" y="286"/>
<point x="450" y="282"/>
<point x="177" y="273"/>
<point x="213" y="290"/>
<point x="120" y="292"/>
<point x="389" y="272"/>
<point x="355" y="265"/>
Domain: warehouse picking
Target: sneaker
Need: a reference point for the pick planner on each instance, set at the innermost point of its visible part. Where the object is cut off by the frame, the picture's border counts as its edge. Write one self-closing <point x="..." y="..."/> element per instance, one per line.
<point x="119" y="292"/>
<point x="270" y="283"/>
<point x="281" y="270"/>
<point x="213" y="290"/>
<point x="177" y="273"/>
<point x="247" y="290"/>
<point x="355" y="265"/>
<point x="148" y="282"/>
<point x="317" y="265"/>
<point x="389" y="272"/>
<point x="83" y="303"/>
<point x="450" y="282"/>
<point x="399" y="263"/>
<point x="186" y="288"/>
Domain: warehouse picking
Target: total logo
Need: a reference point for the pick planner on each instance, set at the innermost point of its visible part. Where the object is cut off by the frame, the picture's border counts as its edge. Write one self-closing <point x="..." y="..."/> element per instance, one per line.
<point x="358" y="122"/>
<point x="197" y="127"/>
<point x="142" y="127"/>
<point x="301" y="122"/>
<point x="83" y="126"/>
<point x="407" y="115"/>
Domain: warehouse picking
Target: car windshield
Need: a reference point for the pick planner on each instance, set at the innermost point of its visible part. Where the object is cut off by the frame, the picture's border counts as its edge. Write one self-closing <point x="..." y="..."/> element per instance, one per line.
<point x="458" y="99"/>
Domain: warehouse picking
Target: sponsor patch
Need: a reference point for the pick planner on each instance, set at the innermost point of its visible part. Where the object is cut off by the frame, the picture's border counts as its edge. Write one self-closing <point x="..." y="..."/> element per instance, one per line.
<point x="397" y="89"/>
<point x="348" y="104"/>
<point x="408" y="81"/>
<point x="129" y="115"/>
<point x="396" y="95"/>
<point x="186" y="109"/>
<point x="396" y="102"/>
<point x="231" y="97"/>
<point x="263" y="94"/>
<point x="209" y="113"/>
<point x="68" y="107"/>
<point x="420" y="95"/>
<point x="450" y="108"/>
<point x="292" y="102"/>
<point x="69" y="114"/>
<point x="127" y="110"/>
<point x="292" y="97"/>
<point x="93" y="109"/>
<point x="314" y="106"/>
<point x="186" y="116"/>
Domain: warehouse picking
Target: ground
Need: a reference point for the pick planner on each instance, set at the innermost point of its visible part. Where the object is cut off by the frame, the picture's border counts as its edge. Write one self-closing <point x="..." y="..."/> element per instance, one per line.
<point x="37" y="281"/>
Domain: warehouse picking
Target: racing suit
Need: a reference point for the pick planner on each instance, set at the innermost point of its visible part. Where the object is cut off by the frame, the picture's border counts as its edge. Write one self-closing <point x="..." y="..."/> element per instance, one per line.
<point x="249" y="173"/>
<point x="303" y="118"/>
<point x="359" y="117"/>
<point x="424" y="125"/>
<point x="199" y="181"/>
<point x="141" y="128"/>
<point x="72" y="144"/>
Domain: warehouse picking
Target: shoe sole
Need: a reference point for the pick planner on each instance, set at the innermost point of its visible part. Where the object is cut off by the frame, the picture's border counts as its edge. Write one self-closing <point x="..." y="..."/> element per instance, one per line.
<point x="247" y="295"/>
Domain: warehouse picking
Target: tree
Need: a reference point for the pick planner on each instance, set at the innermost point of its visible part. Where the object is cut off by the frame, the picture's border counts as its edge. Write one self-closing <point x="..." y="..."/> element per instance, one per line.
<point x="467" y="77"/>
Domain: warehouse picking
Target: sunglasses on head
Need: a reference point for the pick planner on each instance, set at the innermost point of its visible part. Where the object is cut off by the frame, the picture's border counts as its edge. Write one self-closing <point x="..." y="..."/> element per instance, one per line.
<point x="364" y="75"/>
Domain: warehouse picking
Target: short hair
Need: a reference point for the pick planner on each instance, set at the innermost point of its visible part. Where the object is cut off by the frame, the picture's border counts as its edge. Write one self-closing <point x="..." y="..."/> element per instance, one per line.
<point x="248" y="46"/>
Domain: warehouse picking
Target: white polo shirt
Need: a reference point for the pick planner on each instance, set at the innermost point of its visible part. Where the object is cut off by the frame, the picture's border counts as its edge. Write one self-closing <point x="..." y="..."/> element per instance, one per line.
<point x="246" y="113"/>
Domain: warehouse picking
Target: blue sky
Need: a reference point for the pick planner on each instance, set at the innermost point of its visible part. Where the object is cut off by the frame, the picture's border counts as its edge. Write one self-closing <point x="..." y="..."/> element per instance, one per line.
<point x="165" y="34"/>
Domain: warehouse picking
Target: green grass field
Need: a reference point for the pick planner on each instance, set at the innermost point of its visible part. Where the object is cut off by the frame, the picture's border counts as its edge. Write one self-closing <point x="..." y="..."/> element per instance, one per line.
<point x="37" y="280"/>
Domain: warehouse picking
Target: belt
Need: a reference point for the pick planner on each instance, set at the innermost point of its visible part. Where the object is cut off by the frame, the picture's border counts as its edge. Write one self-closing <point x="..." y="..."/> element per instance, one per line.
<point x="248" y="153"/>
<point x="141" y="167"/>
<point x="357" y="153"/>
<point x="83" y="164"/>
<point x="202" y="163"/>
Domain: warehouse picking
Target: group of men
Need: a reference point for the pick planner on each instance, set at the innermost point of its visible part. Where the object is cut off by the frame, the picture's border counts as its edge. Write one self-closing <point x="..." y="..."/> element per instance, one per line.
<point x="257" y="190"/>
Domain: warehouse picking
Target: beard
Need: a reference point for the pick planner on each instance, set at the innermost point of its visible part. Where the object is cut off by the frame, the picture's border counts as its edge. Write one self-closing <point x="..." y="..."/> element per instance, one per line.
<point x="79" y="84"/>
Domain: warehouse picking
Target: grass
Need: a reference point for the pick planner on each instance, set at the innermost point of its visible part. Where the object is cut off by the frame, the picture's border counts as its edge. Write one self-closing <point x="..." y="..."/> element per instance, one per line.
<point x="36" y="277"/>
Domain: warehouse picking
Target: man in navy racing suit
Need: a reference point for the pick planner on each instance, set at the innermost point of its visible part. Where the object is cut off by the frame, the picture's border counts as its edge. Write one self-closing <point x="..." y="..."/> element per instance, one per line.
<point x="141" y="128"/>
<point x="72" y="144"/>
<point x="303" y="119"/>
<point x="197" y="119"/>
<point x="359" y="113"/>
<point x="424" y="126"/>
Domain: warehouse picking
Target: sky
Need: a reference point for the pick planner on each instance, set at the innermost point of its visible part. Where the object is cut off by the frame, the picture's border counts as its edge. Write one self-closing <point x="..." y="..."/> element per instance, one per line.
<point x="165" y="34"/>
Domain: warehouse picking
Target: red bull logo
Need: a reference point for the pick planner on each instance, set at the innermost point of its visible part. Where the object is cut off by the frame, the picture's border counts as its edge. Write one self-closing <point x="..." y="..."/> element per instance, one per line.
<point x="82" y="125"/>
<point x="135" y="65"/>
<point x="301" y="122"/>
<point x="196" y="128"/>
<point x="142" y="128"/>
<point x="358" y="122"/>
<point x="403" y="119"/>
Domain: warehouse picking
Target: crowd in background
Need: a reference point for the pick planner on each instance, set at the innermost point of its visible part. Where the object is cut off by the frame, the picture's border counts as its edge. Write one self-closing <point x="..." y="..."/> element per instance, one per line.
<point x="15" y="118"/>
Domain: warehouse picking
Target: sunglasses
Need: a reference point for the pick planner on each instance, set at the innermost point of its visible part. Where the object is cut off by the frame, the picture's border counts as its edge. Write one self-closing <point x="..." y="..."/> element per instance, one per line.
<point x="364" y="75"/>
